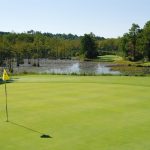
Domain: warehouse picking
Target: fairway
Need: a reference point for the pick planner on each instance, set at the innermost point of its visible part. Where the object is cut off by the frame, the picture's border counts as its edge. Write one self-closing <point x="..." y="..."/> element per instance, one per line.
<point x="79" y="112"/>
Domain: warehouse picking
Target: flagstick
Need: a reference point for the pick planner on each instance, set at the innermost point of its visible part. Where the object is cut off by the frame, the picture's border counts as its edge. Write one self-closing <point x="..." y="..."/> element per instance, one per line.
<point x="6" y="102"/>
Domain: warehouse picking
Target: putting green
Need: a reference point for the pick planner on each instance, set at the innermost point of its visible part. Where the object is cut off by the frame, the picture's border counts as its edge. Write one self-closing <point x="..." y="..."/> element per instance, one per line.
<point x="80" y="113"/>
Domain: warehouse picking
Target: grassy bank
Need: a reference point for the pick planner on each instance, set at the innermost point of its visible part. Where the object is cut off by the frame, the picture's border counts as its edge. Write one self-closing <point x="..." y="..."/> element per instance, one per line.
<point x="117" y="63"/>
<point x="80" y="113"/>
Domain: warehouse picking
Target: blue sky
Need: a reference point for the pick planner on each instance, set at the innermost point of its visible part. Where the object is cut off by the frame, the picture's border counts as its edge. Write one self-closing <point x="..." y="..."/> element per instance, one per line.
<point x="108" y="18"/>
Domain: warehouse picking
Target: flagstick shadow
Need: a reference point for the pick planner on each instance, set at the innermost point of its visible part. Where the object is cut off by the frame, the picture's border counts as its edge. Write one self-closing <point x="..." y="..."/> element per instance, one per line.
<point x="27" y="128"/>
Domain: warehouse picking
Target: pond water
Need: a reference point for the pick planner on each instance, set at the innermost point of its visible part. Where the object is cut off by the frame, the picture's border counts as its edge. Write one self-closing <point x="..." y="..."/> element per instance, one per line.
<point x="65" y="67"/>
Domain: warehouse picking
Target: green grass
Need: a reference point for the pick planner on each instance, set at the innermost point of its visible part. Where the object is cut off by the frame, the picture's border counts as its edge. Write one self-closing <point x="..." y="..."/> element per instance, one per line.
<point x="80" y="113"/>
<point x="147" y="64"/>
<point x="110" y="58"/>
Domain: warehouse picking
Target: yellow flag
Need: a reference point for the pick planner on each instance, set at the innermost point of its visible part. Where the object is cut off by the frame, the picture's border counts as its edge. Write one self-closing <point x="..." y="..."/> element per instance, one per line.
<point x="5" y="76"/>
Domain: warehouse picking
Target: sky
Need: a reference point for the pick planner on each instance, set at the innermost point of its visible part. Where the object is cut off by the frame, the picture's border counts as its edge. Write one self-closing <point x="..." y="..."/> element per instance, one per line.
<point x="106" y="18"/>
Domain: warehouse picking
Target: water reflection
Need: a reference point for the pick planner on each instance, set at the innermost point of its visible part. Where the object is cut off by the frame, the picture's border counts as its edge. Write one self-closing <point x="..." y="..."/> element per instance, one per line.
<point x="65" y="66"/>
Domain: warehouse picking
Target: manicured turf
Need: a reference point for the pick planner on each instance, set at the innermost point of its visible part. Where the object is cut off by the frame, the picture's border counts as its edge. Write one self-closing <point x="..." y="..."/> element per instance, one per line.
<point x="80" y="113"/>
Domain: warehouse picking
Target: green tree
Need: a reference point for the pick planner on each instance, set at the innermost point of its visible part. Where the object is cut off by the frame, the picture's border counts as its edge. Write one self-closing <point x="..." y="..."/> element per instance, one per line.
<point x="123" y="45"/>
<point x="133" y="35"/>
<point x="108" y="46"/>
<point x="146" y="36"/>
<point x="8" y="50"/>
<point x="89" y="46"/>
<point x="39" y="46"/>
<point x="130" y="43"/>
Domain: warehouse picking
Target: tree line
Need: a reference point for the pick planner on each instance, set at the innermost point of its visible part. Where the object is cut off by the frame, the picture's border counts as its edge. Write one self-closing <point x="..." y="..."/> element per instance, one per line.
<point x="135" y="45"/>
<point x="36" y="45"/>
<point x="14" y="47"/>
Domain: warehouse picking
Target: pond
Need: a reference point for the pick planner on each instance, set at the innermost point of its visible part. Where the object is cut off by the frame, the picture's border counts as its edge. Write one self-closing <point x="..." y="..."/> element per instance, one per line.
<point x="65" y="67"/>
